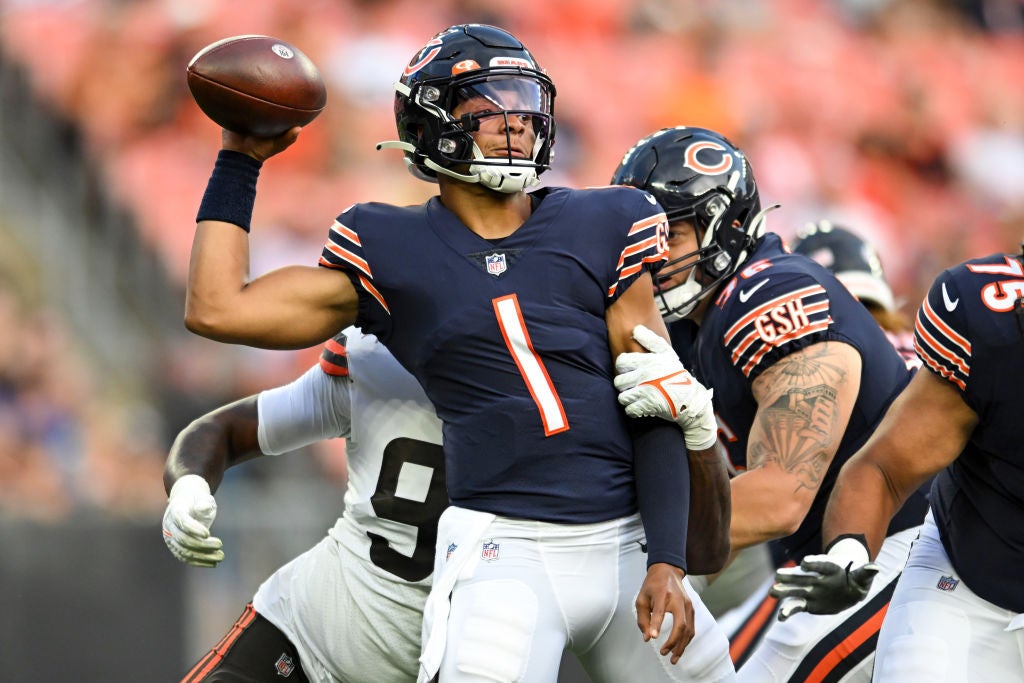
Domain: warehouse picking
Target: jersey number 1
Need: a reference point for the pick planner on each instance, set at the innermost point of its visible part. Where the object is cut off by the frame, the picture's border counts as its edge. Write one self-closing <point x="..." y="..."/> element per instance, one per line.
<point x="531" y="367"/>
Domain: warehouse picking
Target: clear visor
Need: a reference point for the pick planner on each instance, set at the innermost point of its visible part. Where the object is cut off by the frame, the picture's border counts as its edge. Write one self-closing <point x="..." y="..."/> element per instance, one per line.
<point x="504" y="94"/>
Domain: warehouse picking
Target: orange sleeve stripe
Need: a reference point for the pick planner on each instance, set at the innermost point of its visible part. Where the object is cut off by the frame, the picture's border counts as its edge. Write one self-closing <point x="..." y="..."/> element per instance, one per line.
<point x="368" y="286"/>
<point x="938" y="348"/>
<point x="753" y="335"/>
<point x="649" y="222"/>
<point x="639" y="248"/>
<point x="939" y="369"/>
<point x="334" y="359"/>
<point x="795" y="334"/>
<point x="755" y="313"/>
<point x="347" y="233"/>
<point x="942" y="326"/>
<point x="214" y="656"/>
<point x="348" y="257"/>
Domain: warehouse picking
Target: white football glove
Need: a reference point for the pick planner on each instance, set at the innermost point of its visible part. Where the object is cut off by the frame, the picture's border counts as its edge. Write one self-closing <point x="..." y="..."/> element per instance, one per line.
<point x="655" y="384"/>
<point x="190" y="512"/>
<point x="826" y="584"/>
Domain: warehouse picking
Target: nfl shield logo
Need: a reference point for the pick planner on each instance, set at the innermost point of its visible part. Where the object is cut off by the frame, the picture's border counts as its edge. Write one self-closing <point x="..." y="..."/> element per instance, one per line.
<point x="451" y="549"/>
<point x="496" y="264"/>
<point x="490" y="551"/>
<point x="285" y="665"/>
<point x="947" y="583"/>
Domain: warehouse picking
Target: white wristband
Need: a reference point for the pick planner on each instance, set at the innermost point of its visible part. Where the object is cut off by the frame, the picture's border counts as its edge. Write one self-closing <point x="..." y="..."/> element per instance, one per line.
<point x="191" y="485"/>
<point x="849" y="552"/>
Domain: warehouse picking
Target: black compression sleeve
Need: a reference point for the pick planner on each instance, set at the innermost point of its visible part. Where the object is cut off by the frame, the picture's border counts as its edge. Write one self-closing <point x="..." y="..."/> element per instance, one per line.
<point x="663" y="488"/>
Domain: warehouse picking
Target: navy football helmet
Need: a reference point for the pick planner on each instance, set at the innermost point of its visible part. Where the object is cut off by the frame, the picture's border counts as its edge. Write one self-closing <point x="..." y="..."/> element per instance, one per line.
<point x="853" y="261"/>
<point x="698" y="175"/>
<point x="465" y="62"/>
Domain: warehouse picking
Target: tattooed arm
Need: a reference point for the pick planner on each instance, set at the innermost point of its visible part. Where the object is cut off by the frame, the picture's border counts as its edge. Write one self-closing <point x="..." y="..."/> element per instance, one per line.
<point x="804" y="404"/>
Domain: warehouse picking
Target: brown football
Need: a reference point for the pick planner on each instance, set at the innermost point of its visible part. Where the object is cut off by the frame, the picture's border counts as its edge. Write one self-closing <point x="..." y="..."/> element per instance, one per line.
<point x="256" y="85"/>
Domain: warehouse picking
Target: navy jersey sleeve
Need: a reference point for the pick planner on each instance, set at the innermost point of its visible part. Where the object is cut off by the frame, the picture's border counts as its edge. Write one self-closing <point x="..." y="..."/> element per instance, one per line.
<point x="771" y="314"/>
<point x="940" y="332"/>
<point x="344" y="251"/>
<point x="646" y="243"/>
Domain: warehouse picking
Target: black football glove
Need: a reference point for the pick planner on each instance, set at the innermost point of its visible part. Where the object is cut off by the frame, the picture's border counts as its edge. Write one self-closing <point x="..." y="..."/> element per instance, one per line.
<point x="826" y="584"/>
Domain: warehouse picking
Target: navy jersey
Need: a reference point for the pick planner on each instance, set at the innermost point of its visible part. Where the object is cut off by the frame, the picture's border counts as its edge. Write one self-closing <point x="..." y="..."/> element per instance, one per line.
<point x="779" y="303"/>
<point x="969" y="332"/>
<point x="509" y="340"/>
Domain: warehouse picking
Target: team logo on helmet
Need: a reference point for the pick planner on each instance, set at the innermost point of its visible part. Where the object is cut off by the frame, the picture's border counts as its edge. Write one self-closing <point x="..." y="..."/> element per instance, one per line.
<point x="425" y="56"/>
<point x="692" y="162"/>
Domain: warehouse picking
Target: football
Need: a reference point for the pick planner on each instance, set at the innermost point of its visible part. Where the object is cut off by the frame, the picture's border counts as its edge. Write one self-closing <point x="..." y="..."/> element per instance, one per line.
<point x="256" y="85"/>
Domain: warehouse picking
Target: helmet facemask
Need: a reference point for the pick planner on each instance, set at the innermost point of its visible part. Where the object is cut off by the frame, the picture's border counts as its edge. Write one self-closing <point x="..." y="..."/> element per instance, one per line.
<point x="726" y="233"/>
<point x="519" y="102"/>
<point x="489" y="71"/>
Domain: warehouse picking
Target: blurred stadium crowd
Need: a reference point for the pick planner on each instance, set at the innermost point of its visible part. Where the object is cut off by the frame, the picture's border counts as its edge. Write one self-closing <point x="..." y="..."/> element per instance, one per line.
<point x="902" y="119"/>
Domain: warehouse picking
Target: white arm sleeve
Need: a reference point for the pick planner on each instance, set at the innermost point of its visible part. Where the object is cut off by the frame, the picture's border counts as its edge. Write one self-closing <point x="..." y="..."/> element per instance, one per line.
<point x="315" y="406"/>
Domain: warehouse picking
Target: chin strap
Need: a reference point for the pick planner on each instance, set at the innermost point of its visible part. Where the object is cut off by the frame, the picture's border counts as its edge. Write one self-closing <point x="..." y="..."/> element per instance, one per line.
<point x="508" y="179"/>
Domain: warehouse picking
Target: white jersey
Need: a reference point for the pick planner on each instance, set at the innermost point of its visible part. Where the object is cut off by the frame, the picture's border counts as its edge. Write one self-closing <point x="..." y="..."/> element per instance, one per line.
<point x="352" y="605"/>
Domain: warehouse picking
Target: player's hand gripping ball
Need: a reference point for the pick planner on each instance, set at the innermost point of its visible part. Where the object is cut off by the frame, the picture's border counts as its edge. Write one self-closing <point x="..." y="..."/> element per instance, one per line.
<point x="256" y="85"/>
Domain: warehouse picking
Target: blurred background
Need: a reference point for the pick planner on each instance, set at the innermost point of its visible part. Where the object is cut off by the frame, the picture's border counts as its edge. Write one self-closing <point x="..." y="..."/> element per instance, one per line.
<point x="901" y="119"/>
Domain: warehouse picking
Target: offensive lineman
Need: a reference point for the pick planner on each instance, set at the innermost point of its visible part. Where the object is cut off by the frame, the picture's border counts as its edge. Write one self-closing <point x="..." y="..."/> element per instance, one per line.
<point x="958" y="610"/>
<point x="801" y="375"/>
<point x="508" y="308"/>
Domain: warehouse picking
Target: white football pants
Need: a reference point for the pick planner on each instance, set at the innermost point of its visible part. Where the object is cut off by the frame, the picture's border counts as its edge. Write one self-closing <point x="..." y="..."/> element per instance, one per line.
<point x="533" y="589"/>
<point x="937" y="630"/>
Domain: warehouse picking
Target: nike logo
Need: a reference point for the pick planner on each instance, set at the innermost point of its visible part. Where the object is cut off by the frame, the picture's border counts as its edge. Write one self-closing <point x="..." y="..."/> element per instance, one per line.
<point x="950" y="303"/>
<point x="745" y="294"/>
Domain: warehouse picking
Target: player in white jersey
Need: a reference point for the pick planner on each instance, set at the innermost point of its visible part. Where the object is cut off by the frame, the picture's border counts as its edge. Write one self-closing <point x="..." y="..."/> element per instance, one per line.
<point x="350" y="608"/>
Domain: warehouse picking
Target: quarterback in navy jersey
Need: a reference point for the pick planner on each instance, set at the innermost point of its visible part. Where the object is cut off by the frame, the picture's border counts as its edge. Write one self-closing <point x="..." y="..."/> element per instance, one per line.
<point x="512" y="347"/>
<point x="801" y="375"/>
<point x="958" y="610"/>
<point x="508" y="307"/>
